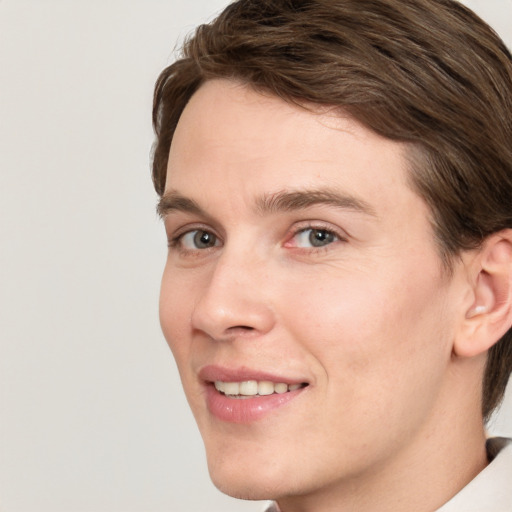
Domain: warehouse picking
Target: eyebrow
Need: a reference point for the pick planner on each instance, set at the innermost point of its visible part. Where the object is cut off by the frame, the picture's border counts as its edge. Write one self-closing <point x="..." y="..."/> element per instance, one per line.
<point x="283" y="201"/>
<point x="173" y="201"/>
<point x="301" y="199"/>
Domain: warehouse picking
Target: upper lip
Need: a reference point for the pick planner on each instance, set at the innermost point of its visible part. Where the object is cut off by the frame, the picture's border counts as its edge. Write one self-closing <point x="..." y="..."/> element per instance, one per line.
<point x="212" y="373"/>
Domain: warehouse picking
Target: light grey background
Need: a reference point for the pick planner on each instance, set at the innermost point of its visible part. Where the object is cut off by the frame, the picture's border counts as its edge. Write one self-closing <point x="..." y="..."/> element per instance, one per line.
<point x="92" y="416"/>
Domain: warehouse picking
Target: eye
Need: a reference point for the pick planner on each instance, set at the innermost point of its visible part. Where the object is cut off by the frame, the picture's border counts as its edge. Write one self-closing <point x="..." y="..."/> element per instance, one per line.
<point x="198" y="239"/>
<point x="314" y="237"/>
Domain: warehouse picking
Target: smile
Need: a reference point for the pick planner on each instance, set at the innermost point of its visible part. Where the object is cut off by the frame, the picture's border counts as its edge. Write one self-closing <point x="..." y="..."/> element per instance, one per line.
<point x="244" y="395"/>
<point x="252" y="388"/>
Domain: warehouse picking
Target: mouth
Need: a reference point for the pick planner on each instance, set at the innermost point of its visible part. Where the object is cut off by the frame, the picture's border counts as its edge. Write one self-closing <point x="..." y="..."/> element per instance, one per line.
<point x="254" y="388"/>
<point x="243" y="395"/>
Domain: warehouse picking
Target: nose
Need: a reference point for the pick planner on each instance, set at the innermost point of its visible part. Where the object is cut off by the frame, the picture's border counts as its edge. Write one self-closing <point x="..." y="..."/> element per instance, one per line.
<point x="234" y="301"/>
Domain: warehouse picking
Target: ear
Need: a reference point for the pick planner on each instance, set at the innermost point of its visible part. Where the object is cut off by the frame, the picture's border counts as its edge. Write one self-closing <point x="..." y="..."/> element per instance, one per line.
<point x="489" y="314"/>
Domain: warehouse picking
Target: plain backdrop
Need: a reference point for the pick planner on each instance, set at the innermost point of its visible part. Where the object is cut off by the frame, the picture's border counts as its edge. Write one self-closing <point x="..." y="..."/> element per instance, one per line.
<point x="92" y="417"/>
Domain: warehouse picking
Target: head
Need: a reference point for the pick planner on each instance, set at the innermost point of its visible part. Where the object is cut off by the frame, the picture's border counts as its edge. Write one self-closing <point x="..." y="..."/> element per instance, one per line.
<point x="391" y="66"/>
<point x="426" y="77"/>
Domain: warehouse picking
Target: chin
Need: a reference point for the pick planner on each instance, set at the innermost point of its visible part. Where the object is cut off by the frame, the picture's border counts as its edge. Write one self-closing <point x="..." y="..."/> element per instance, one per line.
<point x="248" y="481"/>
<point x="244" y="491"/>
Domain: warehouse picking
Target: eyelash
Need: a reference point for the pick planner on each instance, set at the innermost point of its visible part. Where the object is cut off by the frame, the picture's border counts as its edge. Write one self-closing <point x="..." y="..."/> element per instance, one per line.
<point x="176" y="242"/>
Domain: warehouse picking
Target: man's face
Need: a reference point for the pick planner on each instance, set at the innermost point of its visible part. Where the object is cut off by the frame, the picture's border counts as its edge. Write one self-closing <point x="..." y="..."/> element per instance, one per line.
<point x="299" y="256"/>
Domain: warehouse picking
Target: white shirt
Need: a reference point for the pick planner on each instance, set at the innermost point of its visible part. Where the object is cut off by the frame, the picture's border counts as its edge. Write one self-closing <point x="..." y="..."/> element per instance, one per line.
<point x="489" y="491"/>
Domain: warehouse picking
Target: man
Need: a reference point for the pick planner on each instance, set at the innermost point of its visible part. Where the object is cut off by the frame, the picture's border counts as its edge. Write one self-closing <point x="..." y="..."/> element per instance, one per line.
<point x="336" y="185"/>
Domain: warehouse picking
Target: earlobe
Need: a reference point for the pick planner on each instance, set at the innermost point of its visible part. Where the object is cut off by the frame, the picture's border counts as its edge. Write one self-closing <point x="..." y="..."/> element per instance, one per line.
<point x="489" y="315"/>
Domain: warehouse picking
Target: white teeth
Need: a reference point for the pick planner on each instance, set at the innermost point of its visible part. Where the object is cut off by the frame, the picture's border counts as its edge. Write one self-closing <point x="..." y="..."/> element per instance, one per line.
<point x="253" y="387"/>
<point x="231" y="388"/>
<point x="248" y="388"/>
<point x="281" y="388"/>
<point x="265" y="387"/>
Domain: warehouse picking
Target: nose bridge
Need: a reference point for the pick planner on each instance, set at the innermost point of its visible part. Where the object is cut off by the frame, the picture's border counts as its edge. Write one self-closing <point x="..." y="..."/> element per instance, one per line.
<point x="234" y="298"/>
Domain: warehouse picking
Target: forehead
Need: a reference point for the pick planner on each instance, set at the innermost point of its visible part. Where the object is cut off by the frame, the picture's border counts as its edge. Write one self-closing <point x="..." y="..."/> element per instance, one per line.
<point x="232" y="141"/>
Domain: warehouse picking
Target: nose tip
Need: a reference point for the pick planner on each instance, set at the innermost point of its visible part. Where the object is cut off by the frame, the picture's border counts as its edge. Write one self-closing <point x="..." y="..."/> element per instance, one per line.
<point x="226" y="318"/>
<point x="231" y="305"/>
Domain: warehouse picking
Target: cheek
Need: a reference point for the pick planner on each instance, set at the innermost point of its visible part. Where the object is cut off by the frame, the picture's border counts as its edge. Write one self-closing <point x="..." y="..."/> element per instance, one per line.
<point x="176" y="302"/>
<point x="371" y="334"/>
<point x="380" y="355"/>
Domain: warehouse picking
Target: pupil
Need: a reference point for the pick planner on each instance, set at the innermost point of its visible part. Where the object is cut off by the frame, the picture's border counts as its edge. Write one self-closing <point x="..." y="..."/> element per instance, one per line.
<point x="320" y="237"/>
<point x="204" y="239"/>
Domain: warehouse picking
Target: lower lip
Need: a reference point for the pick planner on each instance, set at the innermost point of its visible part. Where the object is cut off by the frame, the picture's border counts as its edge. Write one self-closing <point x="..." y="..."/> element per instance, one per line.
<point x="246" y="410"/>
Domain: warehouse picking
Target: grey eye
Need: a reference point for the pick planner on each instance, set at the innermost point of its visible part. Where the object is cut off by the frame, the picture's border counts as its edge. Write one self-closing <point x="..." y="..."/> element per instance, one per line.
<point x="199" y="239"/>
<point x="314" y="237"/>
<point x="321" y="237"/>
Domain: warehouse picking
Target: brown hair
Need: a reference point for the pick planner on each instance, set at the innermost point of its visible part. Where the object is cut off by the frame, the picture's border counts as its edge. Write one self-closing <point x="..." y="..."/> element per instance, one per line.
<point x="427" y="72"/>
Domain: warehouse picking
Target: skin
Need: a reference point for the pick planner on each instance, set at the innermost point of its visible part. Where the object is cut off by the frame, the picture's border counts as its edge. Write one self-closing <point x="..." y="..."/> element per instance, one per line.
<point x="390" y="419"/>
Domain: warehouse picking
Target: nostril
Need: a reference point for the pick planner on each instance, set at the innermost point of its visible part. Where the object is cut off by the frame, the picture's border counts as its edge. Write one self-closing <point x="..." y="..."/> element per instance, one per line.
<point x="240" y="329"/>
